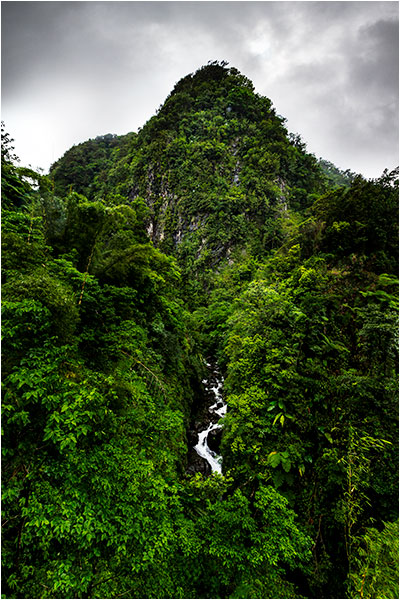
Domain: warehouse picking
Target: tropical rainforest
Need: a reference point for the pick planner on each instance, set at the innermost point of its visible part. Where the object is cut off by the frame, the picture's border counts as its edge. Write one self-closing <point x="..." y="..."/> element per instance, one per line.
<point x="209" y="239"/>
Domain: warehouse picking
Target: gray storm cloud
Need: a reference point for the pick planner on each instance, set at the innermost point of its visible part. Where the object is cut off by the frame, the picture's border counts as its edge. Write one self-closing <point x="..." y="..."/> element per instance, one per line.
<point x="74" y="70"/>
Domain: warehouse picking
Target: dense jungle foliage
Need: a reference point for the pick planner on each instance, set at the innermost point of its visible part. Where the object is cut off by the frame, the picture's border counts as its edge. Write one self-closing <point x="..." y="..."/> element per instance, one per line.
<point x="209" y="234"/>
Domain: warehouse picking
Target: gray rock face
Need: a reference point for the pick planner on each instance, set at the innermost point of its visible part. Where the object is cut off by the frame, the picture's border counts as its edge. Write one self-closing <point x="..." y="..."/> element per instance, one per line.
<point x="214" y="440"/>
<point x="197" y="464"/>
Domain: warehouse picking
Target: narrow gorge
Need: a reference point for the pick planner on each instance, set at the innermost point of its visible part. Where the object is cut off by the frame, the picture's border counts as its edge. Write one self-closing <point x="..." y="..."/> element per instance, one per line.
<point x="200" y="362"/>
<point x="206" y="425"/>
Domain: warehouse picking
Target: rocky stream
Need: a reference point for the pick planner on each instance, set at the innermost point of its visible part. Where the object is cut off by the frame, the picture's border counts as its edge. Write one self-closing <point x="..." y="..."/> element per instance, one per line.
<point x="206" y="428"/>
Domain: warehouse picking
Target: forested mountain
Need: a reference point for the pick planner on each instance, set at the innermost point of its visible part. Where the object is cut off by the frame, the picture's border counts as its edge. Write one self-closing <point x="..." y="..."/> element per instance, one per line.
<point x="209" y="242"/>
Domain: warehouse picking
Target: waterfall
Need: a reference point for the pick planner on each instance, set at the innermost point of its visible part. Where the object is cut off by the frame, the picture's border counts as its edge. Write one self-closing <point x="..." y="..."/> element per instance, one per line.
<point x="218" y="411"/>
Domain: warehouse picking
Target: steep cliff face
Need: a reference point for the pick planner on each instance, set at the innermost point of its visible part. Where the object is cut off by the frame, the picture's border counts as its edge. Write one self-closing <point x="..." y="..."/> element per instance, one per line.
<point x="216" y="168"/>
<point x="216" y="165"/>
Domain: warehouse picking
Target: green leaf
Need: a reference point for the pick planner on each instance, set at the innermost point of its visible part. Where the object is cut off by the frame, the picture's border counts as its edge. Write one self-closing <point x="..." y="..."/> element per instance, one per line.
<point x="276" y="418"/>
<point x="274" y="459"/>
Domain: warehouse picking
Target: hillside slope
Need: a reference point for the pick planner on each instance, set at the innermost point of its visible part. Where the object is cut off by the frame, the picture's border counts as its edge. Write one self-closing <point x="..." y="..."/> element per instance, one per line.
<point x="216" y="168"/>
<point x="207" y="247"/>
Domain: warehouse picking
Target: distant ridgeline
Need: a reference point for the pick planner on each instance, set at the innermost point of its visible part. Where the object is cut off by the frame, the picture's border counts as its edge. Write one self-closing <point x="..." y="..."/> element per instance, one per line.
<point x="208" y="243"/>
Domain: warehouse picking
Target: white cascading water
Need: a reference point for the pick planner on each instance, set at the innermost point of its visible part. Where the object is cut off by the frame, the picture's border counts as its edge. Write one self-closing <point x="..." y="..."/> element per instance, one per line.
<point x="219" y="409"/>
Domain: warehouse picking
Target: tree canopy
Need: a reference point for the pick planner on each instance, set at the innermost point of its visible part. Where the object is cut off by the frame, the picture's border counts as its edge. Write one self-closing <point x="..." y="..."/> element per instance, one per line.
<point x="210" y="235"/>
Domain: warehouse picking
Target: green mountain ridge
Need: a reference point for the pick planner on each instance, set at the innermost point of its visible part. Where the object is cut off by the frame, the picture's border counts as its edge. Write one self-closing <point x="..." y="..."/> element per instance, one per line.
<point x="212" y="117"/>
<point x="210" y="236"/>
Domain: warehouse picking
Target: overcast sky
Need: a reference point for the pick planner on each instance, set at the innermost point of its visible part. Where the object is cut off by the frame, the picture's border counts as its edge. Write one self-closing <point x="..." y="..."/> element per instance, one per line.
<point x="75" y="70"/>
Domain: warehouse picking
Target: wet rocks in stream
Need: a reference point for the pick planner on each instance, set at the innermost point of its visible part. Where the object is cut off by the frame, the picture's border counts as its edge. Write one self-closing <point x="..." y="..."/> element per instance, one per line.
<point x="205" y="434"/>
<point x="214" y="440"/>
